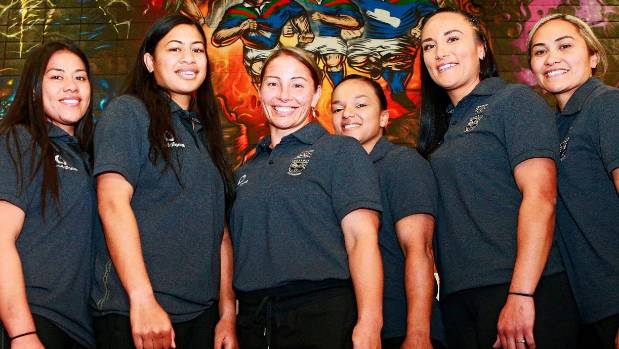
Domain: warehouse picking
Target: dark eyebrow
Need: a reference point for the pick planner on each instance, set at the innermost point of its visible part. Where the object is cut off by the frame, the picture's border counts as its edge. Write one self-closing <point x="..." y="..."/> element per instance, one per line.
<point x="336" y="101"/>
<point x="564" y="37"/>
<point x="180" y="42"/>
<point x="444" y="34"/>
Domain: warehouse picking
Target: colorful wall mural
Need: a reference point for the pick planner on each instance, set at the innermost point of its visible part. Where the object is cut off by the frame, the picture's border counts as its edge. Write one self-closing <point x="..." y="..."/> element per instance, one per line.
<point x="371" y="37"/>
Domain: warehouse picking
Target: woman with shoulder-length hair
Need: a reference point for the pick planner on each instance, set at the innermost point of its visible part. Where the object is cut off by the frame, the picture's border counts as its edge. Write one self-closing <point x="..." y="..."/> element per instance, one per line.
<point x="307" y="267"/>
<point x="48" y="212"/>
<point x="492" y="147"/>
<point x="164" y="279"/>
<point x="565" y="57"/>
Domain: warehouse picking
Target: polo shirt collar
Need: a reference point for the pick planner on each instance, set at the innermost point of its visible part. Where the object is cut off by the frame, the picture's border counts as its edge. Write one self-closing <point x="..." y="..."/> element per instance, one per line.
<point x="56" y="133"/>
<point x="486" y="87"/>
<point x="381" y="148"/>
<point x="308" y="134"/>
<point x="578" y="99"/>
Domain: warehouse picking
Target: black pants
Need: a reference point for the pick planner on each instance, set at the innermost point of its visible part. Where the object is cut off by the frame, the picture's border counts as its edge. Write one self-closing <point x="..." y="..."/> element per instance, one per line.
<point x="50" y="335"/>
<point x="321" y="319"/>
<point x="114" y="331"/>
<point x="396" y="343"/>
<point x="471" y="316"/>
<point x="600" y="334"/>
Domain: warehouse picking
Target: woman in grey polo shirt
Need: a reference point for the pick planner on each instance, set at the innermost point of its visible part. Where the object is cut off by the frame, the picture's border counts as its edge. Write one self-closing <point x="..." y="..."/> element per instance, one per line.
<point x="492" y="147"/>
<point x="565" y="55"/>
<point x="307" y="266"/>
<point x="162" y="185"/>
<point x="48" y="208"/>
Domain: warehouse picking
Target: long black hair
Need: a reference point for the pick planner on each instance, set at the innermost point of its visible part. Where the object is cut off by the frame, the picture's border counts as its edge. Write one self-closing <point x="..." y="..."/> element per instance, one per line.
<point x="434" y="119"/>
<point x="27" y="111"/>
<point x="142" y="84"/>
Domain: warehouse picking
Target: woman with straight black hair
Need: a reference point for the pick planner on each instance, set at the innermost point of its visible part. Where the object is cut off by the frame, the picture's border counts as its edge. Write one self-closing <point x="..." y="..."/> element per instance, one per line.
<point x="492" y="147"/>
<point x="163" y="186"/>
<point x="48" y="212"/>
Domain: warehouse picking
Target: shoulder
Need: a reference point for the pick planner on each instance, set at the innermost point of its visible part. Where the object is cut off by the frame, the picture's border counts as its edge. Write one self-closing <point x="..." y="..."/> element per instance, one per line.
<point x="605" y="98"/>
<point x="126" y="107"/>
<point x="405" y="160"/>
<point x="518" y="100"/>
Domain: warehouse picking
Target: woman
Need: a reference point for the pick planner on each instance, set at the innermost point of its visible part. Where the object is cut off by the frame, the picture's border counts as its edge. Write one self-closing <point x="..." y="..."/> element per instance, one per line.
<point x="303" y="227"/>
<point x="359" y="108"/>
<point x="492" y="147"/>
<point x="162" y="185"/>
<point x="47" y="203"/>
<point x="565" y="54"/>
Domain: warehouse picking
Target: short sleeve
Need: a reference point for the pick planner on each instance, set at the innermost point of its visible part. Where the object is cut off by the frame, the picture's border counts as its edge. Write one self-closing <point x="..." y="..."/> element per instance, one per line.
<point x="609" y="132"/>
<point x="411" y="186"/>
<point x="119" y="139"/>
<point x="15" y="187"/>
<point x="355" y="181"/>
<point x="530" y="128"/>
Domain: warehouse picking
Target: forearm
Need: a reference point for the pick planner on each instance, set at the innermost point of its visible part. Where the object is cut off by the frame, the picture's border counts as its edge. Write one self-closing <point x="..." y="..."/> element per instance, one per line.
<point x="367" y="276"/>
<point x="344" y="21"/>
<point x="536" y="219"/>
<point x="123" y="242"/>
<point x="14" y="309"/>
<point x="227" y="298"/>
<point x="419" y="287"/>
<point x="225" y="37"/>
<point x="302" y="24"/>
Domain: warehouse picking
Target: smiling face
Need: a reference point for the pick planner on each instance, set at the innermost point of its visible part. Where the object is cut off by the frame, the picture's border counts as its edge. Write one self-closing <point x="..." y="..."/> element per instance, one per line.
<point x="179" y="63"/>
<point x="560" y="59"/>
<point x="452" y="54"/>
<point x="287" y="93"/>
<point x="357" y="113"/>
<point x="65" y="90"/>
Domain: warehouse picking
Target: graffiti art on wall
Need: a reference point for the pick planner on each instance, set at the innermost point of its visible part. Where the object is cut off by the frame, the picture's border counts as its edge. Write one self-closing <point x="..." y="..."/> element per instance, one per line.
<point x="377" y="38"/>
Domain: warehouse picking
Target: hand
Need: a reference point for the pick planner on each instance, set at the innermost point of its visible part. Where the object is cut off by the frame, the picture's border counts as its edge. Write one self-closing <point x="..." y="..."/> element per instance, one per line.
<point x="249" y="24"/>
<point x="306" y="38"/>
<point x="366" y="335"/>
<point x="348" y="34"/>
<point x="288" y="30"/>
<point x="31" y="341"/>
<point x="316" y="16"/>
<point x="516" y="323"/>
<point x="151" y="327"/>
<point x="225" y="334"/>
<point x="417" y="342"/>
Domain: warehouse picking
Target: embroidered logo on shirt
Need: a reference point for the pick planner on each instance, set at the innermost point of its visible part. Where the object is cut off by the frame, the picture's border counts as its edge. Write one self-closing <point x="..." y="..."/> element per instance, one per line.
<point x="242" y="181"/>
<point x="62" y="163"/>
<point x="171" y="142"/>
<point x="563" y="148"/>
<point x="474" y="120"/>
<point x="300" y="162"/>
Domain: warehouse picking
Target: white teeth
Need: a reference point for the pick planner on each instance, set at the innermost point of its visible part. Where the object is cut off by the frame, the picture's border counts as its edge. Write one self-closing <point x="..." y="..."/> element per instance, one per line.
<point x="556" y="72"/>
<point x="70" y="101"/>
<point x="284" y="109"/>
<point x="185" y="74"/>
<point x="349" y="126"/>
<point x="444" y="67"/>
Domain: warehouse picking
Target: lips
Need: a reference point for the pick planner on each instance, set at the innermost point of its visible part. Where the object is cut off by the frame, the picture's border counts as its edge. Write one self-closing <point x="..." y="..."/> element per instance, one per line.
<point x="555" y="72"/>
<point x="444" y="67"/>
<point x="187" y="74"/>
<point x="351" y="126"/>
<point x="70" y="101"/>
<point x="284" y="109"/>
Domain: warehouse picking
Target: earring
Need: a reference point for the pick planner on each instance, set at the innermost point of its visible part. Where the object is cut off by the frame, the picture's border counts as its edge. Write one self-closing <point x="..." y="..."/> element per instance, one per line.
<point x="315" y="114"/>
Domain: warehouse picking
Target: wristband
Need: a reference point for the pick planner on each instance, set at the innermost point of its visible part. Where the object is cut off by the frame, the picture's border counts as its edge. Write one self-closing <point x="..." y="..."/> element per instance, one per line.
<point x="530" y="295"/>
<point x="22" y="335"/>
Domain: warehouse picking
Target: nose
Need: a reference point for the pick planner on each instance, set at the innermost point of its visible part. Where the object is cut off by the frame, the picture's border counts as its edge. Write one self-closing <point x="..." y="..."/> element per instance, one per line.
<point x="440" y="52"/>
<point x="70" y="85"/>
<point x="348" y="111"/>
<point x="284" y="93"/>
<point x="552" y="57"/>
<point x="188" y="56"/>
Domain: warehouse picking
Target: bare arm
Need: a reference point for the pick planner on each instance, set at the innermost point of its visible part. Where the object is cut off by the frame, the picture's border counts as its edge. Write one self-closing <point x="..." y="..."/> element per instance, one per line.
<point x="344" y="21"/>
<point x="225" y="37"/>
<point x="616" y="179"/>
<point x="415" y="236"/>
<point x="360" y="229"/>
<point x="14" y="309"/>
<point x="150" y="324"/>
<point x="225" y="332"/>
<point x="537" y="180"/>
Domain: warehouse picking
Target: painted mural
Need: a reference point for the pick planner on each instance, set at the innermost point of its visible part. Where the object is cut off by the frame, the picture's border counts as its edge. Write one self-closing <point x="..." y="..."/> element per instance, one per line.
<point x="377" y="38"/>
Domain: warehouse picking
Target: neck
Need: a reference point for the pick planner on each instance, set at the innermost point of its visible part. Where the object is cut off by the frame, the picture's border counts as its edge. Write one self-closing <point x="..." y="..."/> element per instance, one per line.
<point x="182" y="100"/>
<point x="456" y="95"/>
<point x="277" y="133"/>
<point x="371" y="143"/>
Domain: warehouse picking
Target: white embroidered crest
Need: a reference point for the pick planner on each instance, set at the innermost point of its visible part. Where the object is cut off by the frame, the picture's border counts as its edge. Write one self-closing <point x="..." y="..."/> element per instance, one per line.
<point x="563" y="148"/>
<point x="300" y="162"/>
<point x="474" y="120"/>
<point x="171" y="142"/>
<point x="242" y="181"/>
<point x="62" y="163"/>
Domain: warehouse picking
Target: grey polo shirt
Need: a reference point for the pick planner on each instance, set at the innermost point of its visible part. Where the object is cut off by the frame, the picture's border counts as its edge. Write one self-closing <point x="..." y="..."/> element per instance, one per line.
<point x="285" y="222"/>
<point x="492" y="130"/>
<point x="55" y="250"/>
<point x="407" y="187"/>
<point x="180" y="220"/>
<point x="588" y="210"/>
